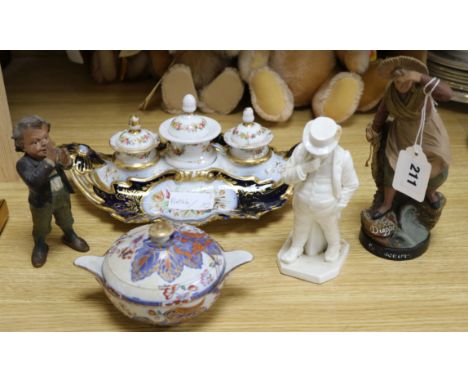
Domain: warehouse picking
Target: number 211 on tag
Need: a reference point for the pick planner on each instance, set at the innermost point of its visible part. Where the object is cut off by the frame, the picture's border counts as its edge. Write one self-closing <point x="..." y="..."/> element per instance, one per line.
<point x="412" y="173"/>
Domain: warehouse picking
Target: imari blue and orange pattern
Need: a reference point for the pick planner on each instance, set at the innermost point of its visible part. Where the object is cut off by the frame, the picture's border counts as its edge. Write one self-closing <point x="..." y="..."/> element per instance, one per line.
<point x="184" y="248"/>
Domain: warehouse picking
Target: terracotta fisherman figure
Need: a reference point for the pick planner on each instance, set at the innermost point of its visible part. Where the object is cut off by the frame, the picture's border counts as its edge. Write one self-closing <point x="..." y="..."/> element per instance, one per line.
<point x="324" y="180"/>
<point x="403" y="101"/>
<point x="397" y="225"/>
<point x="42" y="169"/>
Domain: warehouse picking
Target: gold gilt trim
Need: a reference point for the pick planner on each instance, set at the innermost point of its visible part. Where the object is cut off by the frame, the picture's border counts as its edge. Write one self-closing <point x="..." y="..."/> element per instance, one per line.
<point x="137" y="166"/>
<point x="179" y="175"/>
<point x="144" y="218"/>
<point x="250" y="162"/>
<point x="85" y="180"/>
<point x="135" y="151"/>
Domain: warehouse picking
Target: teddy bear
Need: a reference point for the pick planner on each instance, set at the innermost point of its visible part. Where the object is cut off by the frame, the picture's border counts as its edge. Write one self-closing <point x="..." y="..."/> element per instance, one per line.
<point x="108" y="66"/>
<point x="278" y="81"/>
<point x="327" y="81"/>
<point x="210" y="76"/>
<point x="335" y="84"/>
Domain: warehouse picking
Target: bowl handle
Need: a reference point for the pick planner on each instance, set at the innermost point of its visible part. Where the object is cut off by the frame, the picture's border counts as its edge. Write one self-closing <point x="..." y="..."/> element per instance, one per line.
<point x="235" y="259"/>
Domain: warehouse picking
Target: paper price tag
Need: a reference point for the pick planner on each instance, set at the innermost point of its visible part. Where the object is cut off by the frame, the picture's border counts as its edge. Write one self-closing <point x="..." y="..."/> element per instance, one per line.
<point x="412" y="173"/>
<point x="191" y="201"/>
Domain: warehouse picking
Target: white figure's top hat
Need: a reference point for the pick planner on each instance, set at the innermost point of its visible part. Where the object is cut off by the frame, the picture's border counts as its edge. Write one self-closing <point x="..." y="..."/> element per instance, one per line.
<point x="321" y="136"/>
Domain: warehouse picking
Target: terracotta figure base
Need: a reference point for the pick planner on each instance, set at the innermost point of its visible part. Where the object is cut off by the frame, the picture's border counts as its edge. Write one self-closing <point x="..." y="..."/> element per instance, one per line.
<point x="401" y="235"/>
<point x="397" y="254"/>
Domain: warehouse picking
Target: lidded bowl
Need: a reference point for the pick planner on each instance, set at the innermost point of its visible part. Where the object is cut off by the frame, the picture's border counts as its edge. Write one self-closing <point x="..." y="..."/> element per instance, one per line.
<point x="163" y="274"/>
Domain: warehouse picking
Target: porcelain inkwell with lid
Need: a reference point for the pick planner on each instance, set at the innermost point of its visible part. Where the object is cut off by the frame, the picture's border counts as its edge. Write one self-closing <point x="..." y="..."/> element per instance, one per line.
<point x="134" y="147"/>
<point x="248" y="142"/>
<point x="189" y="136"/>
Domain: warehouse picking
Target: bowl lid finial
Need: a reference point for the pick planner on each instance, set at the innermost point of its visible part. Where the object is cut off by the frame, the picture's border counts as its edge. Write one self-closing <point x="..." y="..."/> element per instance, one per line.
<point x="160" y="231"/>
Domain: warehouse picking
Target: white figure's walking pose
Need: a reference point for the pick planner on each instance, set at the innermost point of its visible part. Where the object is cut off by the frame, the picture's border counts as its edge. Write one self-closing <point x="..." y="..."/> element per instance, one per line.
<point x="324" y="180"/>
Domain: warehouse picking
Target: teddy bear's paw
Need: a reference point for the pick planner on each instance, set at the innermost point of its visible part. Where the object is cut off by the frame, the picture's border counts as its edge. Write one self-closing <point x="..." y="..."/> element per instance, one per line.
<point x="374" y="87"/>
<point x="338" y="98"/>
<point x="249" y="60"/>
<point x="175" y="84"/>
<point x="136" y="65"/>
<point x="104" y="65"/>
<point x="356" y="61"/>
<point x="223" y="94"/>
<point x="160" y="60"/>
<point x="271" y="97"/>
<point x="304" y="71"/>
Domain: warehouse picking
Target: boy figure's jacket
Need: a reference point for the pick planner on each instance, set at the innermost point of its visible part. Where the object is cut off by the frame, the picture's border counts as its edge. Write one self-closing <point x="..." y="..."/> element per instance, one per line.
<point x="35" y="173"/>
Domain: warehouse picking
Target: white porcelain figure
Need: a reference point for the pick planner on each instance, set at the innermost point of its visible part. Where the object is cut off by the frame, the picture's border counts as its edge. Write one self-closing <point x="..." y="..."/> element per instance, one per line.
<point x="135" y="148"/>
<point x="248" y="142"/>
<point x="163" y="274"/>
<point x="190" y="137"/>
<point x="324" y="180"/>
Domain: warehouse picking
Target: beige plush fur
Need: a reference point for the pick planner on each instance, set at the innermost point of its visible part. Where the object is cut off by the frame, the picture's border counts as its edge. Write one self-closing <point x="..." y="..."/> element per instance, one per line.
<point x="175" y="84"/>
<point x="303" y="71"/>
<point x="249" y="60"/>
<point x="374" y="87"/>
<point x="135" y="66"/>
<point x="277" y="80"/>
<point x="159" y="62"/>
<point x="205" y="72"/>
<point x="215" y="98"/>
<point x="356" y="61"/>
<point x="205" y="65"/>
<point x="104" y="66"/>
<point x="270" y="96"/>
<point x="306" y="76"/>
<point x="338" y="97"/>
<point x="109" y="65"/>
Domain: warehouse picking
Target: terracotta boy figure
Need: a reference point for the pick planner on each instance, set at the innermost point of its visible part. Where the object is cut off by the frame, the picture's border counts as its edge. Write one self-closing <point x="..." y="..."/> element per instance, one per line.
<point x="42" y="169"/>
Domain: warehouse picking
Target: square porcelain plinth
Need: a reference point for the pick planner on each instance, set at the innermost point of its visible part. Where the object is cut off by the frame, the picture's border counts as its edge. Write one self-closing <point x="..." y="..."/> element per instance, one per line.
<point x="313" y="268"/>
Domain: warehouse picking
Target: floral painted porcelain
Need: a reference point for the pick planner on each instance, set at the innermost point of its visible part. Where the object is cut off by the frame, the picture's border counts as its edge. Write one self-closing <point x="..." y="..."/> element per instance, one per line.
<point x="162" y="274"/>
<point x="135" y="147"/>
<point x="190" y="182"/>
<point x="189" y="136"/>
<point x="228" y="189"/>
<point x="248" y="142"/>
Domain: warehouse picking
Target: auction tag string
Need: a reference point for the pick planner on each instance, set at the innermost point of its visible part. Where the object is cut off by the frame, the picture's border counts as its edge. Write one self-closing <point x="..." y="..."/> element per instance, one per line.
<point x="413" y="170"/>
<point x="419" y="136"/>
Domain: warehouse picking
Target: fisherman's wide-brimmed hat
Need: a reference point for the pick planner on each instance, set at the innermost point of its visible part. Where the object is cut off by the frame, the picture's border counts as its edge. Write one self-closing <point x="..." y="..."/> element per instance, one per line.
<point x="321" y="136"/>
<point x="389" y="65"/>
